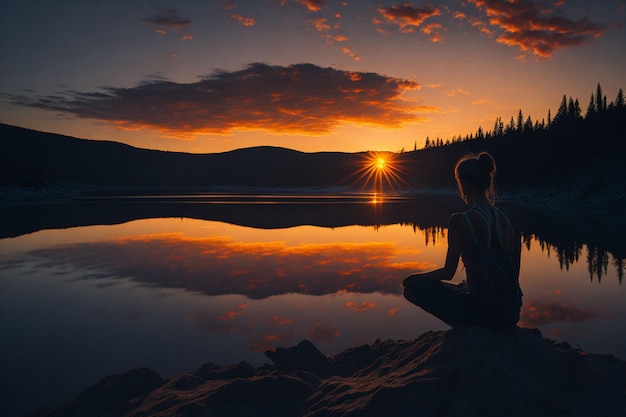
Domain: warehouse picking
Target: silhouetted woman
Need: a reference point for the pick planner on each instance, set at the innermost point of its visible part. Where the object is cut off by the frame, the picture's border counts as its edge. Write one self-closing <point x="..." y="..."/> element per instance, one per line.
<point x="490" y="249"/>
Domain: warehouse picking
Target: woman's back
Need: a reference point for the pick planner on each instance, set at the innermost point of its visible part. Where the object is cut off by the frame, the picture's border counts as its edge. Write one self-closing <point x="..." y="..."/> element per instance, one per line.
<point x="487" y="227"/>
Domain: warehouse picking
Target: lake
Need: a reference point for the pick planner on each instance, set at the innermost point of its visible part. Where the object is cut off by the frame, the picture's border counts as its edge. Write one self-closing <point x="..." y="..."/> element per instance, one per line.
<point x="103" y="284"/>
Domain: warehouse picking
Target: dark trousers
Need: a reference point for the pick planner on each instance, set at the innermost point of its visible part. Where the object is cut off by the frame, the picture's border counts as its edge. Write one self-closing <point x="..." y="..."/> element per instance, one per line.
<point x="448" y="302"/>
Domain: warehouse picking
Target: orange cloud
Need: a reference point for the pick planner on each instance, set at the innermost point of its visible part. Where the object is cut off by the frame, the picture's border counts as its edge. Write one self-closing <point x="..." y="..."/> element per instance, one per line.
<point x="524" y="24"/>
<point x="322" y="24"/>
<point x="407" y="17"/>
<point x="350" y="53"/>
<point x="244" y="21"/>
<point x="364" y="306"/>
<point x="481" y="102"/>
<point x="301" y="98"/>
<point x="456" y="92"/>
<point x="392" y="312"/>
<point x="186" y="38"/>
<point x="312" y="5"/>
<point x="433" y="30"/>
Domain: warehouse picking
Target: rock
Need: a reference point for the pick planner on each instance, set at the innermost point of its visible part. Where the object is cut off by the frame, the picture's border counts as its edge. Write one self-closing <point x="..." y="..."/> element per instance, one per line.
<point x="114" y="396"/>
<point x="303" y="357"/>
<point x="463" y="372"/>
<point x="211" y="371"/>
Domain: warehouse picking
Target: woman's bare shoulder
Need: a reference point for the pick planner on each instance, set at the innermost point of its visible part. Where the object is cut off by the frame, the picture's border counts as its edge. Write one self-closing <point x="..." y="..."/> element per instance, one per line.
<point x="457" y="218"/>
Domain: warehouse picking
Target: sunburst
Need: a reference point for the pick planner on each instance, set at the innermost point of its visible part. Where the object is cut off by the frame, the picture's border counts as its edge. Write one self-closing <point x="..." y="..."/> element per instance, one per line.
<point x="380" y="171"/>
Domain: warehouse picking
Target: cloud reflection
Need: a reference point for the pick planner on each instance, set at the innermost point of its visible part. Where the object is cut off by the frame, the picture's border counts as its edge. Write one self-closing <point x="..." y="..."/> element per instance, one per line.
<point x="219" y="265"/>
<point x="541" y="312"/>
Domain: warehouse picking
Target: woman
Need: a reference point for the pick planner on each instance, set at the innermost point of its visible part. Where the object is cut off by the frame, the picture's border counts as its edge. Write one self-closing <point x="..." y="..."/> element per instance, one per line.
<point x="484" y="239"/>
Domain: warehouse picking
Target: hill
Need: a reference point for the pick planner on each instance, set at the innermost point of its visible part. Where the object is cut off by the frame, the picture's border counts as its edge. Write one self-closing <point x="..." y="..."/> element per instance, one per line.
<point x="37" y="158"/>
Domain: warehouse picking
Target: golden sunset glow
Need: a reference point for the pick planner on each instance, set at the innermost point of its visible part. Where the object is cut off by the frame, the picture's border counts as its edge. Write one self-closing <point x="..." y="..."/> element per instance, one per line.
<point x="340" y="76"/>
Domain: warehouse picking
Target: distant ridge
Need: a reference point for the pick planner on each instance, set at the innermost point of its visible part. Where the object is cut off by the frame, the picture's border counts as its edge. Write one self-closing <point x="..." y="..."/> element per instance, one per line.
<point x="32" y="158"/>
<point x="581" y="159"/>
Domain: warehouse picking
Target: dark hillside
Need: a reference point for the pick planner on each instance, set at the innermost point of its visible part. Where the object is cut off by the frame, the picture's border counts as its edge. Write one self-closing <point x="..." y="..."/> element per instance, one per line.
<point x="583" y="157"/>
<point x="32" y="158"/>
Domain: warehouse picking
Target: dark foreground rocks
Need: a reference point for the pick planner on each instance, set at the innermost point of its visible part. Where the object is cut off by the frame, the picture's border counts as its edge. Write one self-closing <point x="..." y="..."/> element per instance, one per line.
<point x="468" y="372"/>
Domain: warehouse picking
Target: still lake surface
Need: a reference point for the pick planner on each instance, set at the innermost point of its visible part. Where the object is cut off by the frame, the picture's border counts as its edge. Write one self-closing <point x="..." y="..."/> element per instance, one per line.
<point x="101" y="285"/>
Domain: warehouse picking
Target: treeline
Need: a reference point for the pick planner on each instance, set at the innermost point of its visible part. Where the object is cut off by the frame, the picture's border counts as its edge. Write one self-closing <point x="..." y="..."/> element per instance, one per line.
<point x="568" y="111"/>
<point x="574" y="157"/>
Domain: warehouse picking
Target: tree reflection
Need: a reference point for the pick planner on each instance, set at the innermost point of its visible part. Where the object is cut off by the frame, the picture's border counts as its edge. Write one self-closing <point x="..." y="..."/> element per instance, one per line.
<point x="432" y="234"/>
<point x="598" y="259"/>
<point x="570" y="233"/>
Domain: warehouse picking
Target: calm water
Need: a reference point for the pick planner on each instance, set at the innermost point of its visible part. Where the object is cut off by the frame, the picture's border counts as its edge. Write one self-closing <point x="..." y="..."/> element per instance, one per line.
<point x="115" y="283"/>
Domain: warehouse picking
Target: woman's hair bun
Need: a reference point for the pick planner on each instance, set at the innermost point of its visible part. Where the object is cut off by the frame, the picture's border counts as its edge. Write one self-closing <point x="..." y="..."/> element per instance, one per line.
<point x="486" y="162"/>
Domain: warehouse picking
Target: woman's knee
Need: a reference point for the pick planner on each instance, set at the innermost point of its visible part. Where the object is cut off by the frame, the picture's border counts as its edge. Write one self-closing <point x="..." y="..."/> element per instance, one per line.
<point x="416" y="288"/>
<point x="411" y="281"/>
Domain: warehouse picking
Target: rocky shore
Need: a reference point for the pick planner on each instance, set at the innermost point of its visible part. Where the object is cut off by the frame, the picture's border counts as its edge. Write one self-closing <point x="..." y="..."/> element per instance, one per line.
<point x="467" y="372"/>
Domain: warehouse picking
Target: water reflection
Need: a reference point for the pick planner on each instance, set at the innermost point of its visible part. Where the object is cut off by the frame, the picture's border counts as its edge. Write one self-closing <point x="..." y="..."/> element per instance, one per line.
<point x="219" y="265"/>
<point x="172" y="292"/>
<point x="565" y="233"/>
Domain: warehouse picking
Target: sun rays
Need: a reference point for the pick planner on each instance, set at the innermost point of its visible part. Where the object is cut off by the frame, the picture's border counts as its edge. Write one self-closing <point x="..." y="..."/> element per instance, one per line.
<point x="380" y="171"/>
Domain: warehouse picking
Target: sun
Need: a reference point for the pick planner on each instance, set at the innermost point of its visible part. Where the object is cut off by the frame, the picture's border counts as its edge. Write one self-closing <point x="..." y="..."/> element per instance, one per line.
<point x="380" y="171"/>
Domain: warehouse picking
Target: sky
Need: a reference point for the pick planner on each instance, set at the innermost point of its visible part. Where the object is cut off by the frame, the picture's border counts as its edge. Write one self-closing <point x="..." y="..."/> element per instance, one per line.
<point x="208" y="76"/>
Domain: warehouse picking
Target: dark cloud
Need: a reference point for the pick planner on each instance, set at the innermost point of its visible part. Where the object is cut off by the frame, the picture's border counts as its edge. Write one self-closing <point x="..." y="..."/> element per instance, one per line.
<point x="167" y="18"/>
<point x="219" y="266"/>
<point x="408" y="17"/>
<point x="533" y="28"/>
<point x="302" y="98"/>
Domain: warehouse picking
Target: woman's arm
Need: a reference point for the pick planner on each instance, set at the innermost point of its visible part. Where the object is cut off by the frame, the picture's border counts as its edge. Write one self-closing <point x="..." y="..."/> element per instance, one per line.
<point x="452" y="256"/>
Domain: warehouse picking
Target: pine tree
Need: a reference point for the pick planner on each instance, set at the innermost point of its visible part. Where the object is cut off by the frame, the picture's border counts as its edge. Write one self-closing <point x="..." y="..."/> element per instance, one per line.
<point x="510" y="127"/>
<point x="498" y="127"/>
<point x="577" y="113"/>
<point x="427" y="142"/>
<point x="520" y="121"/>
<point x="561" y="114"/>
<point x="619" y="101"/>
<point x="549" y="119"/>
<point x="599" y="101"/>
<point x="570" y="108"/>
<point x="591" y="109"/>
<point x="528" y="126"/>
